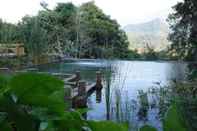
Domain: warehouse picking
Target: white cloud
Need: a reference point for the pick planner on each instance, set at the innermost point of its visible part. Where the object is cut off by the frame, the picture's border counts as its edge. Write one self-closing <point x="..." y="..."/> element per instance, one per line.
<point x="125" y="11"/>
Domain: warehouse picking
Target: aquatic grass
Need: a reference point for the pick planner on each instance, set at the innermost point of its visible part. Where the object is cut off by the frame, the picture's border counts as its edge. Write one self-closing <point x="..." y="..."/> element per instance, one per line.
<point x="120" y="106"/>
<point x="144" y="105"/>
<point x="108" y="96"/>
<point x="161" y="98"/>
<point x="147" y="128"/>
<point x="107" y="126"/>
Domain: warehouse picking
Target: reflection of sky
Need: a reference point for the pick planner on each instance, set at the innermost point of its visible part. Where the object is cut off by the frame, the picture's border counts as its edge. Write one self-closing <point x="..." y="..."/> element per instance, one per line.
<point x="127" y="76"/>
<point x="141" y="75"/>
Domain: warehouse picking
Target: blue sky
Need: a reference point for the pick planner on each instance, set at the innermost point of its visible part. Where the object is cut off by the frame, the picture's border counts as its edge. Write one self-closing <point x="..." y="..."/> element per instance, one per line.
<point x="124" y="11"/>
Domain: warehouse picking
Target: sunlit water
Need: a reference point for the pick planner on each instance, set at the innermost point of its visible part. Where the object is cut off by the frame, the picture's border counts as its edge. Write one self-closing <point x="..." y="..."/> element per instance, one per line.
<point x="122" y="80"/>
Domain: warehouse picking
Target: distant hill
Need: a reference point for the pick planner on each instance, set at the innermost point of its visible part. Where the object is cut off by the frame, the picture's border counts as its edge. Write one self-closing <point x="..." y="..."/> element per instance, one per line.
<point x="153" y="33"/>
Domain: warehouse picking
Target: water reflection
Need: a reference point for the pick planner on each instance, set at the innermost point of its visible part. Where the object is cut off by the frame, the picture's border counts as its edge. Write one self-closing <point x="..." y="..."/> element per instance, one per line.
<point x="98" y="96"/>
<point x="120" y="99"/>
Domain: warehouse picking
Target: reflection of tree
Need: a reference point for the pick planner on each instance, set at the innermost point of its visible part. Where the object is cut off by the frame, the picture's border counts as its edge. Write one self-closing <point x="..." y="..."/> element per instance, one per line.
<point x="160" y="98"/>
<point x="119" y="106"/>
<point x="192" y="69"/>
<point x="107" y="78"/>
<point x="144" y="105"/>
<point x="98" y="96"/>
<point x="178" y="71"/>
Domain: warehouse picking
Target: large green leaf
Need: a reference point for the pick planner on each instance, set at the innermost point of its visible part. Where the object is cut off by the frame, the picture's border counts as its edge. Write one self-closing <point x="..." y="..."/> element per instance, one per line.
<point x="39" y="90"/>
<point x="5" y="126"/>
<point x="16" y="115"/>
<point x="71" y="121"/>
<point x="107" y="126"/>
<point x="3" y="84"/>
<point x="173" y="120"/>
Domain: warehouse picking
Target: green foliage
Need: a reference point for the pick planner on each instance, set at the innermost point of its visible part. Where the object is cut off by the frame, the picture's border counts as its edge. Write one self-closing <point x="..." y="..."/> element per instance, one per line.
<point x="31" y="99"/>
<point x="35" y="102"/>
<point x="187" y="95"/>
<point x="173" y="120"/>
<point x="67" y="30"/>
<point x="3" y="81"/>
<point x="38" y="90"/>
<point x="107" y="126"/>
<point x="34" y="37"/>
<point x="183" y="25"/>
<point x="147" y="128"/>
<point x="150" y="54"/>
<point x="132" y="54"/>
<point x="13" y="63"/>
<point x="106" y="40"/>
<point x="8" y="33"/>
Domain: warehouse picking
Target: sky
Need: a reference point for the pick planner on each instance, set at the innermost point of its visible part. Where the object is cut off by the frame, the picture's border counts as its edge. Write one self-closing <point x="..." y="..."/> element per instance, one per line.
<point x="124" y="11"/>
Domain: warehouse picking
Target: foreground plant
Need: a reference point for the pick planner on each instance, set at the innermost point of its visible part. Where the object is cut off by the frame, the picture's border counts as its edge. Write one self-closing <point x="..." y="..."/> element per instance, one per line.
<point x="32" y="102"/>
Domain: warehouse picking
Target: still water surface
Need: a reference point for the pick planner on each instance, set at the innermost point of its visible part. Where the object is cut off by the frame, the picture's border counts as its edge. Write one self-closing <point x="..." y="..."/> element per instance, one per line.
<point x="122" y="81"/>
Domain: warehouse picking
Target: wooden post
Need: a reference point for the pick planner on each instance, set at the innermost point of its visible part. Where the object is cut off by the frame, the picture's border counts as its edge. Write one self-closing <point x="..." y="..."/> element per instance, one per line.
<point x="98" y="80"/>
<point x="81" y="101"/>
<point x="82" y="88"/>
<point x="78" y="76"/>
<point x="98" y="96"/>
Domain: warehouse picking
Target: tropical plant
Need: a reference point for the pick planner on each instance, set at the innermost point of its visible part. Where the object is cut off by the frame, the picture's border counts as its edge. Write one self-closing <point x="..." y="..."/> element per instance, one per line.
<point x="173" y="120"/>
<point x="35" y="102"/>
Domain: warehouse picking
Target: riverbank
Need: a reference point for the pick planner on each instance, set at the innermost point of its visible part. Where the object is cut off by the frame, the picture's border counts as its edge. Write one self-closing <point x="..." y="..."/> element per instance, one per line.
<point x="21" y="63"/>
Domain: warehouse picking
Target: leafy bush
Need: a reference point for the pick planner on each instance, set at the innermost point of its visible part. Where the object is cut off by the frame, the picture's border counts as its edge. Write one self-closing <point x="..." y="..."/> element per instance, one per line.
<point x="173" y="120"/>
<point x="187" y="95"/>
<point x="3" y="82"/>
<point x="14" y="62"/>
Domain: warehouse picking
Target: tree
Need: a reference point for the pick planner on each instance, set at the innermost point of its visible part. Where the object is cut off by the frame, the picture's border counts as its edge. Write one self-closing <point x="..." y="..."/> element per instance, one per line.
<point x="59" y="25"/>
<point x="8" y="33"/>
<point x="68" y="30"/>
<point x="34" y="38"/>
<point x="106" y="37"/>
<point x="184" y="29"/>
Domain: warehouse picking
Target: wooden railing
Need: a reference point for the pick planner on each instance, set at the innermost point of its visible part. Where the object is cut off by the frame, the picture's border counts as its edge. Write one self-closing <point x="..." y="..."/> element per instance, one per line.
<point x="17" y="49"/>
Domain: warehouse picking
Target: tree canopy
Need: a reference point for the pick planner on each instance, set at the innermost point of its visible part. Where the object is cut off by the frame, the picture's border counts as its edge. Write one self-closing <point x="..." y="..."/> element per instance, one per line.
<point x="74" y="31"/>
<point x="184" y="29"/>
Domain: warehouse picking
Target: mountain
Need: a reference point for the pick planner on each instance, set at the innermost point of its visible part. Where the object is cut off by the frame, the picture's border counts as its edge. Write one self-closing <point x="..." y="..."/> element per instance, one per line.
<point x="151" y="34"/>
